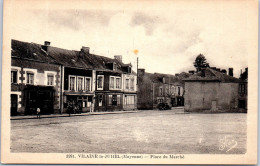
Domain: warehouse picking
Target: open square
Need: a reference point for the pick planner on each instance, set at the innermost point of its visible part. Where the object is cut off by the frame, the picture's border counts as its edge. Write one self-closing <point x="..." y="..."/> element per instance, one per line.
<point x="150" y="132"/>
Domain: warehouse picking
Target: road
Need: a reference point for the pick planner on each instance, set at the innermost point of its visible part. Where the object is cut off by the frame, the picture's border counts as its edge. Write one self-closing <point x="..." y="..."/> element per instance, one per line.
<point x="141" y="132"/>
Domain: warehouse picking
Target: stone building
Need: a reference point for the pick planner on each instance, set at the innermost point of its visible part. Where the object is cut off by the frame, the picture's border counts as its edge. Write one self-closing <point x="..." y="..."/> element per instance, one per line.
<point x="160" y="88"/>
<point x="54" y="79"/>
<point x="35" y="80"/>
<point x="213" y="90"/>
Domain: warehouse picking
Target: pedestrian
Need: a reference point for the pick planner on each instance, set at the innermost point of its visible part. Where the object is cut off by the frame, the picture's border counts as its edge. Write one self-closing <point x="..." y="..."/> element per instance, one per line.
<point x="69" y="108"/>
<point x="38" y="113"/>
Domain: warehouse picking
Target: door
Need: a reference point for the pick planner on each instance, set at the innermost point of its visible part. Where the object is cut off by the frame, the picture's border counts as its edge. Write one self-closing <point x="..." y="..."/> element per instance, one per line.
<point x="213" y="105"/>
<point x="114" y="100"/>
<point x="39" y="97"/>
<point x="14" y="104"/>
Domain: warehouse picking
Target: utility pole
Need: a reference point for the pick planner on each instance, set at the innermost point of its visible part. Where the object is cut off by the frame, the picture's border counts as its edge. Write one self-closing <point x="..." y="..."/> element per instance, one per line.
<point x="137" y="70"/>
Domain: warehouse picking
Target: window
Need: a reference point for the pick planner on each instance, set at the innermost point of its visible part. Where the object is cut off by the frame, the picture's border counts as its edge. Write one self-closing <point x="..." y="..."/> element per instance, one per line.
<point x="72" y="83"/>
<point x="242" y="88"/>
<point x="109" y="99"/>
<point x="132" y="84"/>
<point x="114" y="67"/>
<point x="118" y="99"/>
<point x="118" y="83"/>
<point x="166" y="90"/>
<point x="112" y="81"/>
<point x="88" y="84"/>
<point x="114" y="100"/>
<point x="172" y="90"/>
<point x="30" y="78"/>
<point x="129" y="70"/>
<point x="115" y="82"/>
<point x="13" y="76"/>
<point x="127" y="83"/>
<point x="179" y="90"/>
<point x="129" y="100"/>
<point x="50" y="79"/>
<point x="161" y="91"/>
<point x="100" y="82"/>
<point x="160" y="100"/>
<point x="80" y="83"/>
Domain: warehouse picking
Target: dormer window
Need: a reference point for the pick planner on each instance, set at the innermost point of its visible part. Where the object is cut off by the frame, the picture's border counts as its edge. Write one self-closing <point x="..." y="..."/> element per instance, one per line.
<point x="129" y="69"/>
<point x="114" y="67"/>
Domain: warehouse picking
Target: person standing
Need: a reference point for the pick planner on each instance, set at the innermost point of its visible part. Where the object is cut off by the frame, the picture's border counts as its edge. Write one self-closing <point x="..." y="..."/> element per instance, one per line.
<point x="38" y="113"/>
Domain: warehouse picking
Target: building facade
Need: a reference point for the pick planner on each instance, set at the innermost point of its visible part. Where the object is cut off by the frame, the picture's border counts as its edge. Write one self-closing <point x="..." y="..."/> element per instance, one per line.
<point x="215" y="91"/>
<point x="58" y="80"/>
<point x="35" y="80"/>
<point x="156" y="88"/>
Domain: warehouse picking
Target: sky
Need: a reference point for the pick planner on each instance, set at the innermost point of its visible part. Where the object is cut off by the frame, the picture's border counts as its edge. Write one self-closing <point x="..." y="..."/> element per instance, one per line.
<point x="168" y="36"/>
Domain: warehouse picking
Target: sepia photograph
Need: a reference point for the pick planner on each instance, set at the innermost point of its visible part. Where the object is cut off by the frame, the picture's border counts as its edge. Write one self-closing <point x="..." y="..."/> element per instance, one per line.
<point x="130" y="82"/>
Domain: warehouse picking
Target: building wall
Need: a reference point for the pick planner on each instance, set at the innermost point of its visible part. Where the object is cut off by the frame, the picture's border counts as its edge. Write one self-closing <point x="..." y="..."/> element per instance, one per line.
<point x="75" y="72"/>
<point x="106" y="91"/>
<point x="40" y="71"/>
<point x="129" y="97"/>
<point x="144" y="93"/>
<point x="169" y="92"/>
<point x="201" y="96"/>
<point x="84" y="99"/>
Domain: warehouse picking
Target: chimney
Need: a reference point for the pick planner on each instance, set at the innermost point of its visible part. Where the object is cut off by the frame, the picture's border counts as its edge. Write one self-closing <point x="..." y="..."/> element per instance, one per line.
<point x="85" y="49"/>
<point x="224" y="71"/>
<point x="46" y="45"/>
<point x="203" y="74"/>
<point x="230" y="71"/>
<point x="118" y="57"/>
<point x="218" y="69"/>
<point x="214" y="68"/>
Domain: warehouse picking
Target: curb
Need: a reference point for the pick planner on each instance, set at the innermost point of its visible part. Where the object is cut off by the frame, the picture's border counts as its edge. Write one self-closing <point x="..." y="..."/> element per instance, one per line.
<point x="71" y="115"/>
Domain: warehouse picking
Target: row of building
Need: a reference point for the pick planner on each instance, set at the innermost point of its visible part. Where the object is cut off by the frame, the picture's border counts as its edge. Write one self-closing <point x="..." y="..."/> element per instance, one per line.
<point x="55" y="79"/>
<point x="211" y="90"/>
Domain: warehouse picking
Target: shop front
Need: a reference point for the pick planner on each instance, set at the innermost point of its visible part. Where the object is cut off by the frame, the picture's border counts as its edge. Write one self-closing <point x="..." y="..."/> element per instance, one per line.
<point x="78" y="103"/>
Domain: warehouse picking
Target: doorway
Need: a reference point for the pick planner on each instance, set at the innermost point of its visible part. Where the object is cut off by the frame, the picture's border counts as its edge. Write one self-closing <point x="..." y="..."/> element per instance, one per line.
<point x="14" y="104"/>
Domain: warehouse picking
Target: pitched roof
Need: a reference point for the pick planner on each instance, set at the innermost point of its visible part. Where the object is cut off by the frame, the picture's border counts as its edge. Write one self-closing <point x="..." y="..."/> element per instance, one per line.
<point x="212" y="75"/>
<point x="30" y="51"/>
<point x="68" y="58"/>
<point x="163" y="78"/>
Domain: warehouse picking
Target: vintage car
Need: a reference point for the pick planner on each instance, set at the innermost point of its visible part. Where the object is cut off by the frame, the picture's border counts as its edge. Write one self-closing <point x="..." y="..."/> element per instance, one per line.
<point x="163" y="106"/>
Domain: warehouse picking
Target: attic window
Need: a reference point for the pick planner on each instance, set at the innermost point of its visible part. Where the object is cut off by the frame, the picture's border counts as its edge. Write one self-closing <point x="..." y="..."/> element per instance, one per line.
<point x="129" y="69"/>
<point x="115" y="67"/>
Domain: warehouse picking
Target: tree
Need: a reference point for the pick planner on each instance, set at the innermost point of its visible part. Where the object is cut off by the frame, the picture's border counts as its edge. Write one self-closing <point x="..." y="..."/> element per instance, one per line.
<point x="200" y="62"/>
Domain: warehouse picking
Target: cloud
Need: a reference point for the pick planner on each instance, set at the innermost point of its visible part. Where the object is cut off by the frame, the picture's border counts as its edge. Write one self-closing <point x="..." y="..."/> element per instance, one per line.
<point x="168" y="39"/>
<point x="75" y="19"/>
<point x="147" y="21"/>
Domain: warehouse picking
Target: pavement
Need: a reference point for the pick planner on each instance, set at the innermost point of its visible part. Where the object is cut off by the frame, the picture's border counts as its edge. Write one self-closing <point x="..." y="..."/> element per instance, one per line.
<point x="67" y="115"/>
<point x="146" y="131"/>
<point x="176" y="110"/>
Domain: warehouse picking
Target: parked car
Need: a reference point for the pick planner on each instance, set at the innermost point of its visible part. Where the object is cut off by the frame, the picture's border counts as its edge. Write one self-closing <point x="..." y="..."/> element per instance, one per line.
<point x="163" y="106"/>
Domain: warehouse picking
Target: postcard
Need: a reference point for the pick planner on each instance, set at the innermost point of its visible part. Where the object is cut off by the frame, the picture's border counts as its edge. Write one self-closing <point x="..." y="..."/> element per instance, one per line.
<point x="129" y="82"/>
